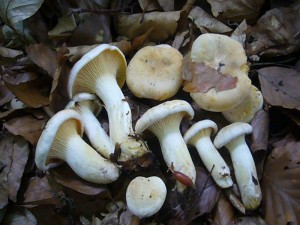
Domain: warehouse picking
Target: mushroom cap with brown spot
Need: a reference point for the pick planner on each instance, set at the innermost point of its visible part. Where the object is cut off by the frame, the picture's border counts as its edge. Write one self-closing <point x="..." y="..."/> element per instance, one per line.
<point x="227" y="56"/>
<point x="145" y="196"/>
<point x="102" y="60"/>
<point x="230" y="132"/>
<point x="154" y="72"/>
<point x="162" y="111"/>
<point x="47" y="137"/>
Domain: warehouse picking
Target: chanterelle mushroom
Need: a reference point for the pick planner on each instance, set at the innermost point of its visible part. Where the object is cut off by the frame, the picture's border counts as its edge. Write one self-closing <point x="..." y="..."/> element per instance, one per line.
<point x="154" y="72"/>
<point x="145" y="196"/>
<point x="233" y="138"/>
<point x="164" y="121"/>
<point x="61" y="140"/>
<point x="89" y="107"/>
<point x="227" y="57"/>
<point x="198" y="135"/>
<point x="102" y="71"/>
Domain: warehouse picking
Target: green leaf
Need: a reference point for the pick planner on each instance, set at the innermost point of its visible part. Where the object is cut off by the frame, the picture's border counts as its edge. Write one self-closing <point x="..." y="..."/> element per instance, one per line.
<point x="13" y="11"/>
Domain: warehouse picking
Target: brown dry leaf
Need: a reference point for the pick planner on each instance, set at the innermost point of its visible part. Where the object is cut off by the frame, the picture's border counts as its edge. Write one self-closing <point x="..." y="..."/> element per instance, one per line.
<point x="236" y="10"/>
<point x="149" y="5"/>
<point x="27" y="126"/>
<point x="5" y="95"/>
<point x="9" y="53"/>
<point x="250" y="221"/>
<point x="260" y="132"/>
<point x="181" y="39"/>
<point x="201" y="78"/>
<point x="280" y="86"/>
<point x="33" y="93"/>
<point x="163" y="24"/>
<point x="223" y="213"/>
<point x="239" y="33"/>
<point x="276" y="33"/>
<point x="14" y="153"/>
<point x="206" y="23"/>
<point x="63" y="28"/>
<point x="43" y="56"/>
<point x="280" y="185"/>
<point x="19" y="216"/>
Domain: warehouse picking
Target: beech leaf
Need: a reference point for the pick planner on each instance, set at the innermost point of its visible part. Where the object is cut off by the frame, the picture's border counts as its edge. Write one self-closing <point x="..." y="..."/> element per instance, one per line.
<point x="280" y="185"/>
<point x="223" y="213"/>
<point x="280" y="86"/>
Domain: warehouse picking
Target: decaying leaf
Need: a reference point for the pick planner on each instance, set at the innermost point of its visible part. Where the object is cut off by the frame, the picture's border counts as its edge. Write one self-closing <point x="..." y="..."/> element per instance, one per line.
<point x="14" y="151"/>
<point x="275" y="33"/>
<point x="260" y="132"/>
<point x="250" y="221"/>
<point x="280" y="86"/>
<point x="239" y="33"/>
<point x="64" y="27"/>
<point x="223" y="213"/>
<point x="19" y="216"/>
<point x="200" y="78"/>
<point x="163" y="24"/>
<point x="281" y="184"/>
<point x="9" y="53"/>
<point x="207" y="23"/>
<point x="5" y="95"/>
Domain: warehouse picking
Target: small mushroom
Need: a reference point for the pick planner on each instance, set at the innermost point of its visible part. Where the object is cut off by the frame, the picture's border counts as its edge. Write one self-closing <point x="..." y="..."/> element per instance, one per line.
<point x="61" y="141"/>
<point x="89" y="107"/>
<point x="245" y="111"/>
<point x="227" y="57"/>
<point x="198" y="135"/>
<point x="164" y="121"/>
<point x="145" y="196"/>
<point x="102" y="71"/>
<point x="154" y="72"/>
<point x="233" y="138"/>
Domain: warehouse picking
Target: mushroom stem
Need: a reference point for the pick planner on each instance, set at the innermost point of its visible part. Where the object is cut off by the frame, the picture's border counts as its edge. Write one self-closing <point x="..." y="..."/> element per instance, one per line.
<point x="119" y="115"/>
<point x="212" y="159"/>
<point x="245" y="172"/>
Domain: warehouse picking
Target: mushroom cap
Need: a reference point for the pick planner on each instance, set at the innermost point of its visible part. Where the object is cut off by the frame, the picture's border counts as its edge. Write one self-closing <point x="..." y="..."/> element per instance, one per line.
<point x="196" y="128"/>
<point x="145" y="196"/>
<point x="162" y="111"/>
<point x="154" y="72"/>
<point x="245" y="111"/>
<point x="230" y="132"/>
<point x="102" y="60"/>
<point x="227" y="56"/>
<point x="96" y="106"/>
<point x="47" y="137"/>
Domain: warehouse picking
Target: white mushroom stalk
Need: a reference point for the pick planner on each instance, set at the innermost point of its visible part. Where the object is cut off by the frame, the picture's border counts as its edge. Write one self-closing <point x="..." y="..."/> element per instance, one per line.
<point x="233" y="138"/>
<point x="89" y="106"/>
<point x="102" y="71"/>
<point x="164" y="121"/>
<point x="61" y="140"/>
<point x="198" y="135"/>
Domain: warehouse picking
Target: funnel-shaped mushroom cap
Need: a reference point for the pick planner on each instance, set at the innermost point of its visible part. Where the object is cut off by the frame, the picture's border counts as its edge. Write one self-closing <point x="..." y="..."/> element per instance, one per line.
<point x="145" y="196"/>
<point x="47" y="137"/>
<point x="154" y="72"/>
<point x="104" y="60"/>
<point x="230" y="132"/>
<point x="207" y="126"/>
<point x="228" y="57"/>
<point x="162" y="111"/>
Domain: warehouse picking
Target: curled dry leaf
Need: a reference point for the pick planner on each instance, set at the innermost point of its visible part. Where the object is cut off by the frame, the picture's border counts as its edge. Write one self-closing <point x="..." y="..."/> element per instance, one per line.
<point x="63" y="28"/>
<point x="14" y="151"/>
<point x="275" y="33"/>
<point x="280" y="185"/>
<point x="280" y="86"/>
<point x="163" y="25"/>
<point x="207" y="23"/>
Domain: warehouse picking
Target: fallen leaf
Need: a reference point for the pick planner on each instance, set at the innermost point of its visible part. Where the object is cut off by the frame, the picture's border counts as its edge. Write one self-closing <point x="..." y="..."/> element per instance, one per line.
<point x="223" y="213"/>
<point x="149" y="5"/>
<point x="236" y="10"/>
<point x="14" y="153"/>
<point x="180" y="39"/>
<point x="32" y="93"/>
<point x="5" y="95"/>
<point x="9" y="53"/>
<point x="260" y="132"/>
<point x="163" y="24"/>
<point x="275" y="33"/>
<point x="63" y="28"/>
<point x="27" y="126"/>
<point x="280" y="185"/>
<point x="239" y="33"/>
<point x="279" y="86"/>
<point x="250" y="221"/>
<point x="206" y="23"/>
<point x="19" y="216"/>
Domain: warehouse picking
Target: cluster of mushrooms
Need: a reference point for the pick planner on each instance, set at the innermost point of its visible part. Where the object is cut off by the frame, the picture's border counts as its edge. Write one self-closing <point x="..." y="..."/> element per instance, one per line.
<point x="155" y="72"/>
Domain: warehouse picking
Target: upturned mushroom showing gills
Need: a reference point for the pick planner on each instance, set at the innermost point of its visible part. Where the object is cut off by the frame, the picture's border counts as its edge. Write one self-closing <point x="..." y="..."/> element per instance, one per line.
<point x="102" y="71"/>
<point x="89" y="107"/>
<point x="198" y="135"/>
<point x="164" y="121"/>
<point x="222" y="59"/>
<point x="233" y="138"/>
<point x="61" y="141"/>
<point x="154" y="72"/>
